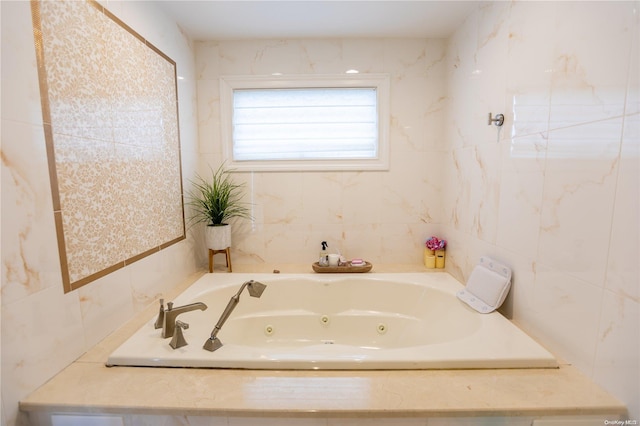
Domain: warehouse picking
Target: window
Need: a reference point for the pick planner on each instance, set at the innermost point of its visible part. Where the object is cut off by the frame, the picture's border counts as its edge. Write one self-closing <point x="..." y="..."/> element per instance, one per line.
<point x="305" y="122"/>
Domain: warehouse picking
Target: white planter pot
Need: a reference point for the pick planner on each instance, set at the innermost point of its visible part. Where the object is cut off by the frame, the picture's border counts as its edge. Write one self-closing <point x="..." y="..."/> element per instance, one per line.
<point x="218" y="237"/>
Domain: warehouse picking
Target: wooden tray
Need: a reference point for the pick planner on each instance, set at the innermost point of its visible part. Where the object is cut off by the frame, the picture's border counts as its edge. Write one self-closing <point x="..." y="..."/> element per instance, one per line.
<point x="342" y="269"/>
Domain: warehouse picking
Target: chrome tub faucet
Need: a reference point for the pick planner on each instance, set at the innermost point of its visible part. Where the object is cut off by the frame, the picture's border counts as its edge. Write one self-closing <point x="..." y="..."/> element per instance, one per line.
<point x="167" y="317"/>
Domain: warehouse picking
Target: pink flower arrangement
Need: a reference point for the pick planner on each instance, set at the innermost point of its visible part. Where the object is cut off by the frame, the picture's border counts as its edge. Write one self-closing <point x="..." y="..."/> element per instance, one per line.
<point x="435" y="243"/>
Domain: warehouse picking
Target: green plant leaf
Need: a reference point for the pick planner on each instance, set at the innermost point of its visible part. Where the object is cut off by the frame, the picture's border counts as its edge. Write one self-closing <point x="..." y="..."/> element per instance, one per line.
<point x="216" y="200"/>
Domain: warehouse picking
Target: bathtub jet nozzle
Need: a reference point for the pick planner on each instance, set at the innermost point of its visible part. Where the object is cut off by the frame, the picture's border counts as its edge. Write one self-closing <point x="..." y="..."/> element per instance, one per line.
<point x="255" y="289"/>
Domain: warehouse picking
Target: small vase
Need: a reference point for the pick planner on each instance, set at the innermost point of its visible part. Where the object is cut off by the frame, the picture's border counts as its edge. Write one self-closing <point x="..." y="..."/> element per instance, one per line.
<point x="439" y="259"/>
<point x="429" y="258"/>
<point x="218" y="237"/>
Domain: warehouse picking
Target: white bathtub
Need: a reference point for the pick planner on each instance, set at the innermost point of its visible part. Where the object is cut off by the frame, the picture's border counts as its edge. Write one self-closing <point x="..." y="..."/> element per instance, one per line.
<point x="337" y="321"/>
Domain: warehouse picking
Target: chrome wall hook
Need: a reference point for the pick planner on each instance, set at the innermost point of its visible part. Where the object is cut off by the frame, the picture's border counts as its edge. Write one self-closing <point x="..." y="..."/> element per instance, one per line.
<point x="498" y="120"/>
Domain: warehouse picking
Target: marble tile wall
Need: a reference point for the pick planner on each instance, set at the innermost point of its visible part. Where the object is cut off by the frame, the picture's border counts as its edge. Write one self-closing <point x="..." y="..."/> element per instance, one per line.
<point x="379" y="216"/>
<point x="554" y="192"/>
<point x="43" y="329"/>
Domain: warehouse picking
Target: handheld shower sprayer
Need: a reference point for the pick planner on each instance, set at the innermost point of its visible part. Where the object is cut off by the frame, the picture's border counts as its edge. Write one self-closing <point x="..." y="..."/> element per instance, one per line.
<point x="255" y="289"/>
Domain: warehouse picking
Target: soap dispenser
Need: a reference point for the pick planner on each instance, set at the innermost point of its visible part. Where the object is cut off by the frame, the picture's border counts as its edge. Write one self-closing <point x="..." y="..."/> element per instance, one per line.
<point x="324" y="255"/>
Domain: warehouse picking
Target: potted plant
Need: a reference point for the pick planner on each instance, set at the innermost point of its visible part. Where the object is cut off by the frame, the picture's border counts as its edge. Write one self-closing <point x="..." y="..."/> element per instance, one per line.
<point x="214" y="202"/>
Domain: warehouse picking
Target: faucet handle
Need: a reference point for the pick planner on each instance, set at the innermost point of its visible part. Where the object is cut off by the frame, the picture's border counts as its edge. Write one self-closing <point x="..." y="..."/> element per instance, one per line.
<point x="160" y="319"/>
<point x="178" y="339"/>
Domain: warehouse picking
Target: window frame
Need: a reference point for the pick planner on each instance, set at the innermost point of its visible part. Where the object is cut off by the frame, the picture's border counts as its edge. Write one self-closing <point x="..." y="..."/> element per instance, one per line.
<point x="380" y="82"/>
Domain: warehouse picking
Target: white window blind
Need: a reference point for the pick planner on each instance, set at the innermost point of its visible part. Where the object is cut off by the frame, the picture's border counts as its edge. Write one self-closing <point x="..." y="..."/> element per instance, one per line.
<point x="306" y="123"/>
